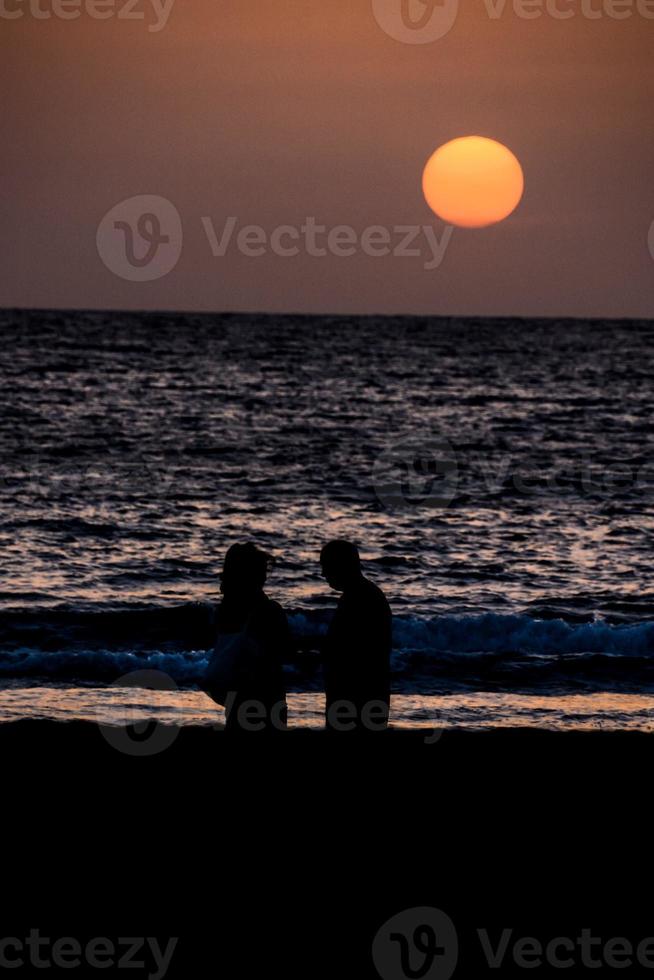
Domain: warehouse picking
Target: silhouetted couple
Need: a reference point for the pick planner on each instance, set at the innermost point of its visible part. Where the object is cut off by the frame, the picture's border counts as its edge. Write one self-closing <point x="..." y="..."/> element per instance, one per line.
<point x="253" y="642"/>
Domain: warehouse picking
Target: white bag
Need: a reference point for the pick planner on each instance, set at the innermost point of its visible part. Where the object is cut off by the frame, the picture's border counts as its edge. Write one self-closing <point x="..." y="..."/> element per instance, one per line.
<point x="233" y="665"/>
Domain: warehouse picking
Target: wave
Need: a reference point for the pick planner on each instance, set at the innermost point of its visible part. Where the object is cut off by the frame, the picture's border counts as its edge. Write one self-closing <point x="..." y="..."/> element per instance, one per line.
<point x="497" y="633"/>
<point x="441" y="653"/>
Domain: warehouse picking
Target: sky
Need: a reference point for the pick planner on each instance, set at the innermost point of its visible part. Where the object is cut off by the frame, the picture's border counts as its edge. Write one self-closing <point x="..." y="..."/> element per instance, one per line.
<point x="292" y="115"/>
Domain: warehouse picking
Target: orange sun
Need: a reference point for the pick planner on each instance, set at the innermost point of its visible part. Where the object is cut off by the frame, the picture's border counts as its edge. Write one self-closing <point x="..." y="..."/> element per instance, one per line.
<point x="473" y="182"/>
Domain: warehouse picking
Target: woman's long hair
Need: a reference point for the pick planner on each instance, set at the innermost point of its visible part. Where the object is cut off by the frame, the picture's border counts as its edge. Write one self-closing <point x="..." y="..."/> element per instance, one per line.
<point x="245" y="570"/>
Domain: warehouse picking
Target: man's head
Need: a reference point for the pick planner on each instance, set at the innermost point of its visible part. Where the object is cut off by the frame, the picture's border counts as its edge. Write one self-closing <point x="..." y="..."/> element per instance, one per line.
<point x="341" y="564"/>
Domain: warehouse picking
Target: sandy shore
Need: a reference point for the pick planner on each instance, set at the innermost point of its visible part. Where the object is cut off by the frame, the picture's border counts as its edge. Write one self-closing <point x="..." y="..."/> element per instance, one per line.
<point x="300" y="846"/>
<point x="396" y="766"/>
<point x="114" y="747"/>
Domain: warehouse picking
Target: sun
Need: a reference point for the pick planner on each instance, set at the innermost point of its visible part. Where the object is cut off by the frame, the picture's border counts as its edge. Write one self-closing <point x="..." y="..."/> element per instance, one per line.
<point x="473" y="182"/>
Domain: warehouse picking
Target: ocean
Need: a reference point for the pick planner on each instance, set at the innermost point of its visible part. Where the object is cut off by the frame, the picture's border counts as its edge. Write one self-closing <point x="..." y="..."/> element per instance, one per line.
<point x="497" y="475"/>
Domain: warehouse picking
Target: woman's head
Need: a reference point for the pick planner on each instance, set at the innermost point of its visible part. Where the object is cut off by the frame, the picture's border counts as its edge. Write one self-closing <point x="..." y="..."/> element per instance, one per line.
<point x="245" y="569"/>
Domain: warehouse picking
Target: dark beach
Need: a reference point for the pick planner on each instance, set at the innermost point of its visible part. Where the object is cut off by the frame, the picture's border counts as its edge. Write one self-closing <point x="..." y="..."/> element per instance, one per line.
<point x="322" y="837"/>
<point x="397" y="774"/>
<point x="509" y="782"/>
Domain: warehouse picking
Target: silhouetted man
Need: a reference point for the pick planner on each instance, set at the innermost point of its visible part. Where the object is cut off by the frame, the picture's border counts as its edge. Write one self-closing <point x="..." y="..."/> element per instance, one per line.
<point x="357" y="649"/>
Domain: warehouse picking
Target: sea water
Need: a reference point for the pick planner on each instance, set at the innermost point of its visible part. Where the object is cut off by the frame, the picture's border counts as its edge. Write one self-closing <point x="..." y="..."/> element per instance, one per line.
<point x="496" y="474"/>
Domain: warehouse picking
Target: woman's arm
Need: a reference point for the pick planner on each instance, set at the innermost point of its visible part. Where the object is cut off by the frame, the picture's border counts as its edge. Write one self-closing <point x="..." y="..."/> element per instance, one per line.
<point x="301" y="651"/>
<point x="281" y="639"/>
<point x="204" y="626"/>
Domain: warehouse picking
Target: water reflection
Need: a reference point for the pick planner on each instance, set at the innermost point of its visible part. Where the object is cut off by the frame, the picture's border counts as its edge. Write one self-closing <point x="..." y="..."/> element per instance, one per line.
<point x="603" y="711"/>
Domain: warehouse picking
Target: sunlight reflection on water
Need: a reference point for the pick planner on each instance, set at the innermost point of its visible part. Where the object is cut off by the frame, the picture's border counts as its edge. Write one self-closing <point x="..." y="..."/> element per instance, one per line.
<point x="478" y="710"/>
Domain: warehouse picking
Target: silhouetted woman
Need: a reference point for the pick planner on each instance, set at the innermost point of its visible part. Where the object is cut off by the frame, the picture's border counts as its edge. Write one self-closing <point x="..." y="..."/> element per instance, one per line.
<point x="254" y="626"/>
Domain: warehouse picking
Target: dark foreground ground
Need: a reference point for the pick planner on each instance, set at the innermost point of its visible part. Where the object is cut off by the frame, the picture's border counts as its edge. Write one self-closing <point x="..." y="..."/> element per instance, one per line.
<point x="285" y="856"/>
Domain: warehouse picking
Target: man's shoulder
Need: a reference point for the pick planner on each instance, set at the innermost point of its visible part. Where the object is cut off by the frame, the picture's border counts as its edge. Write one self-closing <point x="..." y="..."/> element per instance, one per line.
<point x="374" y="593"/>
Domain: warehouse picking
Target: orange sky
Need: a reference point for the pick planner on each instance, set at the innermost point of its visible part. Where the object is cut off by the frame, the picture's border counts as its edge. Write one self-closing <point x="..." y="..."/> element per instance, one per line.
<point x="278" y="111"/>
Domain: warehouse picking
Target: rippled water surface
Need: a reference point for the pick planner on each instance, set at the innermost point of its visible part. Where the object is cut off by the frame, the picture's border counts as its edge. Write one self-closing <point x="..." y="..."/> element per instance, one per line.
<point x="497" y="475"/>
